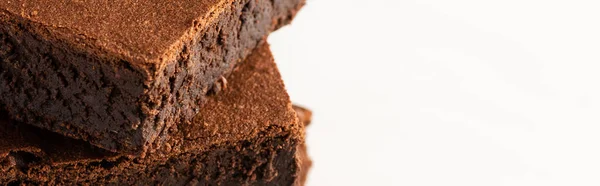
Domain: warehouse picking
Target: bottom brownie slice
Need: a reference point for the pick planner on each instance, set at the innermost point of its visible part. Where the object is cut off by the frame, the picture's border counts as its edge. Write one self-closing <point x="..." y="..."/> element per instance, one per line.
<point x="248" y="134"/>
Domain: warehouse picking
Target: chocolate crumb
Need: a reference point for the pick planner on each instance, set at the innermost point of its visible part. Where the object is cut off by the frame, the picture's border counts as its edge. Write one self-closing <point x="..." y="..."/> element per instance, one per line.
<point x="219" y="86"/>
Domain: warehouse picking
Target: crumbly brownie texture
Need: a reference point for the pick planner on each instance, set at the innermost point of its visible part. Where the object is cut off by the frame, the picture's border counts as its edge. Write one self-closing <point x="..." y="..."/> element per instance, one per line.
<point x="120" y="74"/>
<point x="305" y="116"/>
<point x="248" y="135"/>
<point x="259" y="161"/>
<point x="255" y="100"/>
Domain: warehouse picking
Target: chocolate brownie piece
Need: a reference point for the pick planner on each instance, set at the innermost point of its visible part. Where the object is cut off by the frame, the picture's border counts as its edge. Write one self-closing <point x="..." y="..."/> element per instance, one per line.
<point x="119" y="74"/>
<point x="247" y="135"/>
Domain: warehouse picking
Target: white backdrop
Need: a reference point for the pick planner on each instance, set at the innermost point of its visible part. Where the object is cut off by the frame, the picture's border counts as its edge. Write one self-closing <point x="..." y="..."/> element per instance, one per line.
<point x="439" y="92"/>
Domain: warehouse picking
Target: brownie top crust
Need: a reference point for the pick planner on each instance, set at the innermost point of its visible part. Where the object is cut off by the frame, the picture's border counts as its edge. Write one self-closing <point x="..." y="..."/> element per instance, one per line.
<point x="143" y="32"/>
<point x="254" y="102"/>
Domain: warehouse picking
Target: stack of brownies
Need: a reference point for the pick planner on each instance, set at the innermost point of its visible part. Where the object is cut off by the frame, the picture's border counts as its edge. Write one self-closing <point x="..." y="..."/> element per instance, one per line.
<point x="148" y="92"/>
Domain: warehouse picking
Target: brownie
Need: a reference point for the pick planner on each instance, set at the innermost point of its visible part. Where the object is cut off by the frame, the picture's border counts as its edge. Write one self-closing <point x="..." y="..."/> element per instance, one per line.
<point x="120" y="74"/>
<point x="249" y="134"/>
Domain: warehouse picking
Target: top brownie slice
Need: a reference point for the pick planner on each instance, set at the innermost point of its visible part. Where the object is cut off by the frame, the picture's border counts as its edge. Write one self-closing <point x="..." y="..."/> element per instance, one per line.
<point x="119" y="73"/>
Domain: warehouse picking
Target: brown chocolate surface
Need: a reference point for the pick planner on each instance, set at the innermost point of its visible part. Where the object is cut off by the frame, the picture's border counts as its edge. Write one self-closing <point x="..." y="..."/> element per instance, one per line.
<point x="254" y="101"/>
<point x="89" y="69"/>
<point x="249" y="135"/>
<point x="140" y="31"/>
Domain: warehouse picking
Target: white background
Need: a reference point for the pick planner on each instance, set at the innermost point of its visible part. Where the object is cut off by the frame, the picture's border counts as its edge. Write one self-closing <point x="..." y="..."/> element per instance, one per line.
<point x="447" y="92"/>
